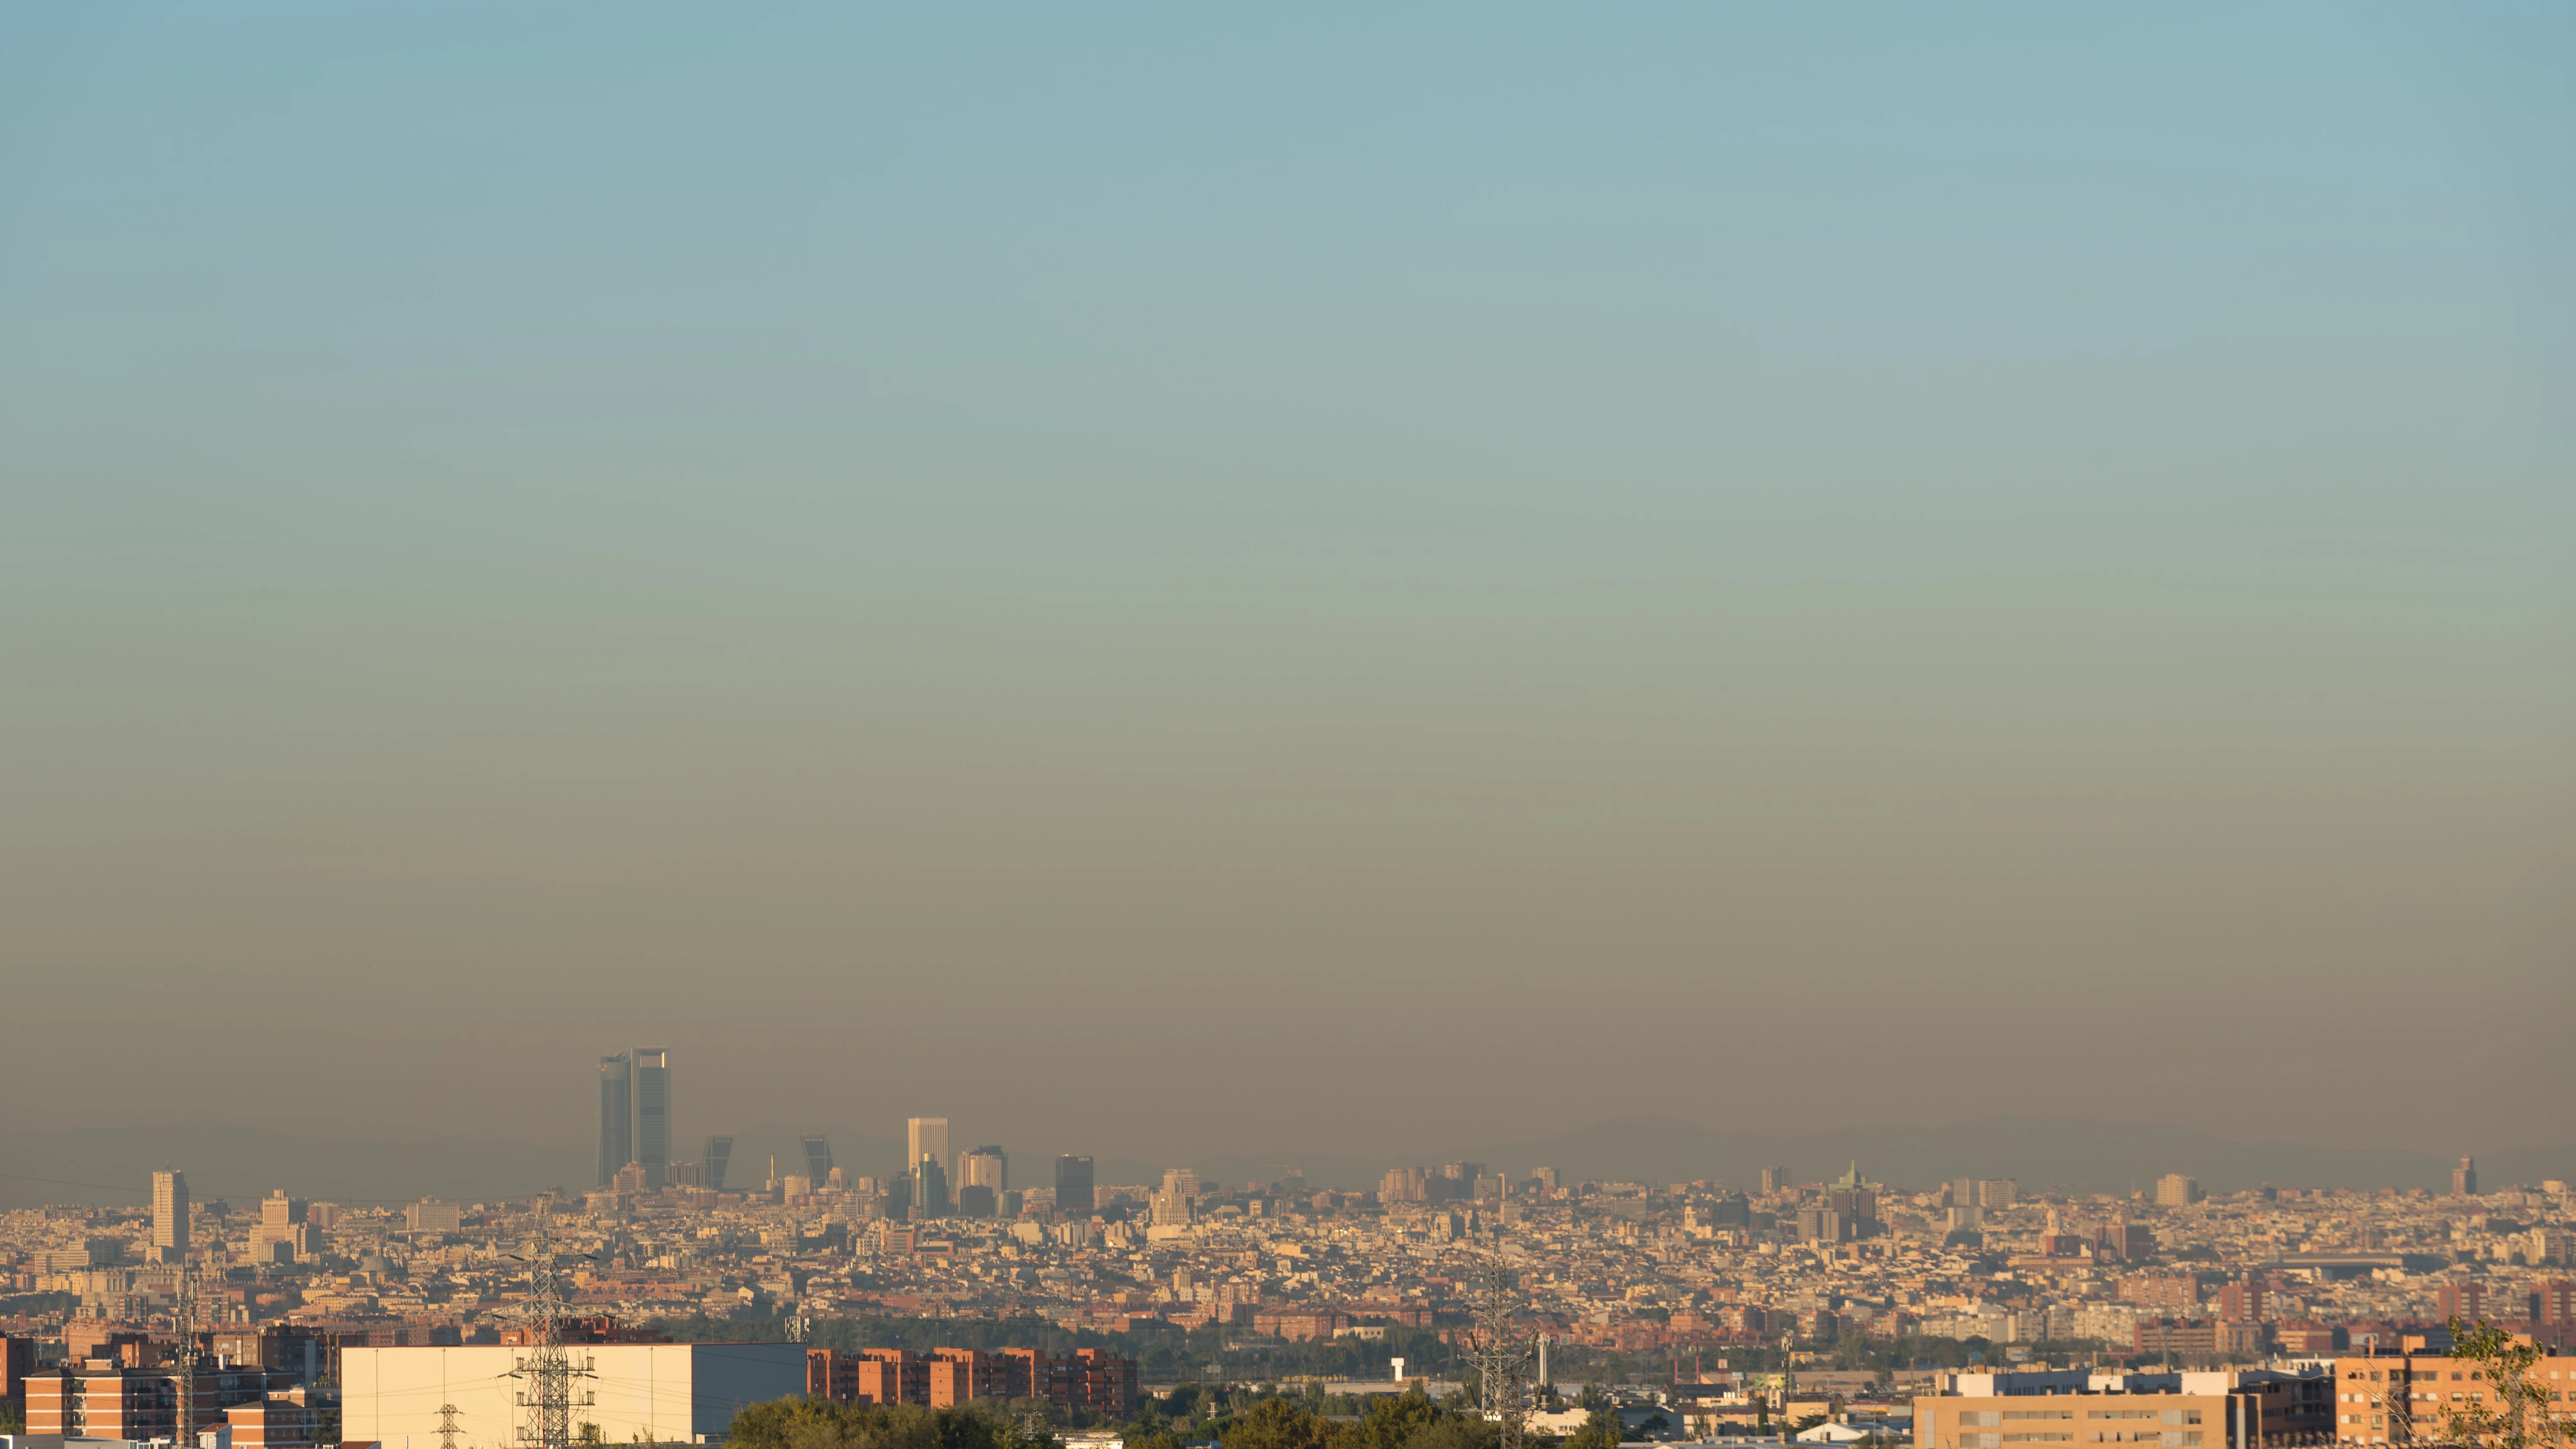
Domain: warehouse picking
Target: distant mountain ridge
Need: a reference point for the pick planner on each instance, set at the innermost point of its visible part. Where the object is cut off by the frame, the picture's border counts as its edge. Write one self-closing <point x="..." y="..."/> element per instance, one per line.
<point x="114" y="1166"/>
<point x="2040" y="1152"/>
<point x="241" y="1164"/>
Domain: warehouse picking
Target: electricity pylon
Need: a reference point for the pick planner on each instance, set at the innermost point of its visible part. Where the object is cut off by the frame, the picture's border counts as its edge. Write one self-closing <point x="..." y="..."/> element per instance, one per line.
<point x="546" y="1375"/>
<point x="186" y="1313"/>
<point x="447" y="1428"/>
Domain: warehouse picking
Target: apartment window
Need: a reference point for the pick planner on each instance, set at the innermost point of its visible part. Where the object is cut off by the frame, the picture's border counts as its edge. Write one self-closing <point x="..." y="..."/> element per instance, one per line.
<point x="2039" y="1413"/>
<point x="2037" y="1438"/>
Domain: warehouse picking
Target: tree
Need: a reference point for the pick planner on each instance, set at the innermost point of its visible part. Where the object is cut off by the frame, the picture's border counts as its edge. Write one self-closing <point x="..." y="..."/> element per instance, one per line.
<point x="2518" y="1416"/>
<point x="1284" y="1423"/>
<point x="801" y="1423"/>
<point x="1395" y="1423"/>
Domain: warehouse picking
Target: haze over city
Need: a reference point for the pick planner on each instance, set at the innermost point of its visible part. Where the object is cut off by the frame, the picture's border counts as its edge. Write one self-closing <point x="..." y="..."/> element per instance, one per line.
<point x="1415" y="726"/>
<point x="1183" y="584"/>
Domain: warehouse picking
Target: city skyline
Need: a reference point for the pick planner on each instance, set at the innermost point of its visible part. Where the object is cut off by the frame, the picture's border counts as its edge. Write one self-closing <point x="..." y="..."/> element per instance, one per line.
<point x="1374" y="727"/>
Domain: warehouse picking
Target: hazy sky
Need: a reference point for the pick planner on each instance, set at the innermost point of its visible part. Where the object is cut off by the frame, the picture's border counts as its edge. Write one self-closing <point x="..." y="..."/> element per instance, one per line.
<point x="1154" y="577"/>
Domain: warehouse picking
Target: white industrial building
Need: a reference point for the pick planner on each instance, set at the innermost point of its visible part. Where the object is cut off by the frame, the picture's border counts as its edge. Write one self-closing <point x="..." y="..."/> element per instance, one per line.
<point x="669" y="1393"/>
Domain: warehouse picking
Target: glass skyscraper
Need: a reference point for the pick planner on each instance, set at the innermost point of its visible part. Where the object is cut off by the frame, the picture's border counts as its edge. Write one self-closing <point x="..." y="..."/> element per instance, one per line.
<point x="635" y="1115"/>
<point x="929" y="1189"/>
<point x="616" y="1116"/>
<point x="653" y="1114"/>
<point x="1073" y="1186"/>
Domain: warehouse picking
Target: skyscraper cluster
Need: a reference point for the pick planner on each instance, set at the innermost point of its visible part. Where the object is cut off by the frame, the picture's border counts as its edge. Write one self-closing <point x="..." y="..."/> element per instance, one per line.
<point x="634" y="1155"/>
<point x="635" y="1116"/>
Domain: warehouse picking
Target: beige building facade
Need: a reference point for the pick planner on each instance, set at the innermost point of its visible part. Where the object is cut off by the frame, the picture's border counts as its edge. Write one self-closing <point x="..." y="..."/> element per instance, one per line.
<point x="660" y="1392"/>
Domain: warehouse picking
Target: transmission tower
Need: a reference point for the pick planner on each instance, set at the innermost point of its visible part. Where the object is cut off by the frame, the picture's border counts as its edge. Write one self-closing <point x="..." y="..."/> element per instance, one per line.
<point x="545" y="1375"/>
<point x="1500" y="1355"/>
<point x="186" y="1313"/>
<point x="447" y="1429"/>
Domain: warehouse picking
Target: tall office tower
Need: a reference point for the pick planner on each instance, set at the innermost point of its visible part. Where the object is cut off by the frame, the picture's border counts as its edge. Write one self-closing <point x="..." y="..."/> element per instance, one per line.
<point x="652" y="1113"/>
<point x="616" y="1116"/>
<point x="2175" y="1190"/>
<point x="170" y="1216"/>
<point x="818" y="1159"/>
<point x="929" y="1188"/>
<point x="2464" y="1178"/>
<point x="711" y="1165"/>
<point x="1073" y="1196"/>
<point x="2003" y="1192"/>
<point x="1774" y="1179"/>
<point x="927" y="1137"/>
<point x="985" y="1167"/>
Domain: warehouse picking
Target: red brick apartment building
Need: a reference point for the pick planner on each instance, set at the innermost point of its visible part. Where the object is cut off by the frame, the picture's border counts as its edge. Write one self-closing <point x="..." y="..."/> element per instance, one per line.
<point x="1091" y="1378"/>
<point x="123" y="1403"/>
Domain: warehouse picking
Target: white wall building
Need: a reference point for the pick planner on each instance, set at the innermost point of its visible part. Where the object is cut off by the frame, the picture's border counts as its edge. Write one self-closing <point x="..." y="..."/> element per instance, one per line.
<point x="683" y="1393"/>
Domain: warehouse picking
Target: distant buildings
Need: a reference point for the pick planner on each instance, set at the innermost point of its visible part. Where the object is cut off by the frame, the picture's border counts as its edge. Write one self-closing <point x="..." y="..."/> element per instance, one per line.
<point x="1073" y="1185"/>
<point x="1175" y="1204"/>
<point x="985" y="1167"/>
<point x="929" y="1188"/>
<point x="429" y="1215"/>
<point x="818" y="1158"/>
<point x="616" y="1116"/>
<point x="653" y="1113"/>
<point x="2464" y="1178"/>
<point x="169" y="1216"/>
<point x="282" y="1235"/>
<point x="713" y="1161"/>
<point x="2175" y="1190"/>
<point x="635" y="1115"/>
<point x="927" y="1137"/>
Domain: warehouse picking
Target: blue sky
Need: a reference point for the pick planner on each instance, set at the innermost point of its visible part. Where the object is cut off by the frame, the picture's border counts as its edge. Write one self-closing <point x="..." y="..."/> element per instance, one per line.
<point x="1697" y="512"/>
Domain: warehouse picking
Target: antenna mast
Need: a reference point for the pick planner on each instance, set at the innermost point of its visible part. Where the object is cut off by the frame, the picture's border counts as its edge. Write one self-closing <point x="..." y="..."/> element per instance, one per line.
<point x="1502" y="1360"/>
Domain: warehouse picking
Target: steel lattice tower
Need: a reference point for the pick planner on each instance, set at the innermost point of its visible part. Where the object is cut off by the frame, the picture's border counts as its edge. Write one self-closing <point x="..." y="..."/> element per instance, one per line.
<point x="1500" y="1355"/>
<point x="186" y="1437"/>
<point x="546" y="1393"/>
